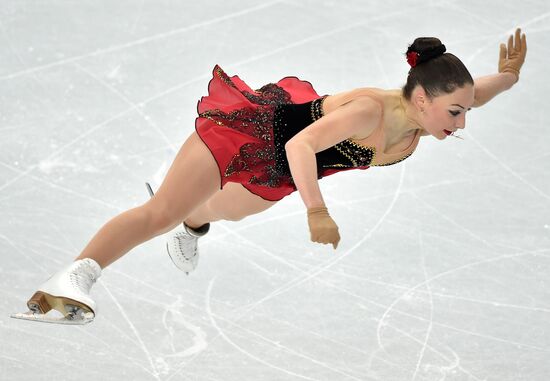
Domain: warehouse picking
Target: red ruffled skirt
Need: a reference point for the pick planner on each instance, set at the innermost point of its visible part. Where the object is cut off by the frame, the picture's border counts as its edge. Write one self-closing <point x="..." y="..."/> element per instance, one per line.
<point x="236" y="124"/>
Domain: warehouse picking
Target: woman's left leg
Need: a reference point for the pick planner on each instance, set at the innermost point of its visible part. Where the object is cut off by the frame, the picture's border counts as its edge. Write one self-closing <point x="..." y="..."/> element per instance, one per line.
<point x="191" y="180"/>
<point x="233" y="203"/>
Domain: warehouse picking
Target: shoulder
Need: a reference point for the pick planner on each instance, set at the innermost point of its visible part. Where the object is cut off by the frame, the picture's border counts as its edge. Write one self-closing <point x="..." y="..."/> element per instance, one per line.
<point x="368" y="105"/>
<point x="363" y="111"/>
<point x="358" y="116"/>
<point x="368" y="99"/>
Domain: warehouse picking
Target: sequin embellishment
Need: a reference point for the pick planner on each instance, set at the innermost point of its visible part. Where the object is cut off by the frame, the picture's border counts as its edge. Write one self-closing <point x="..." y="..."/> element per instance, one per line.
<point x="270" y="94"/>
<point x="317" y="108"/>
<point x="394" y="162"/>
<point x="258" y="123"/>
<point x="356" y="155"/>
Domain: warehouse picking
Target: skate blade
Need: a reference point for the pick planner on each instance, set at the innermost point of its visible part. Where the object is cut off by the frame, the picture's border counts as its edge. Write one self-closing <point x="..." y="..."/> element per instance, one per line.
<point x="41" y="303"/>
<point x="42" y="318"/>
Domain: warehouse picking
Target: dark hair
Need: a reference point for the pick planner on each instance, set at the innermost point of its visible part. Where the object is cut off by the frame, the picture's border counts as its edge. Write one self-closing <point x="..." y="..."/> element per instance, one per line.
<point x="437" y="73"/>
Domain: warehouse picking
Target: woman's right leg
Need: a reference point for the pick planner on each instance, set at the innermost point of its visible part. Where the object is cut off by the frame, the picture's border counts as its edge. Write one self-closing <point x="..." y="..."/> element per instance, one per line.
<point x="233" y="203"/>
<point x="191" y="180"/>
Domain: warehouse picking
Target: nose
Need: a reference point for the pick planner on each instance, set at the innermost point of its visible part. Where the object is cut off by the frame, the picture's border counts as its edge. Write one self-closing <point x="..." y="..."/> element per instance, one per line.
<point x="461" y="122"/>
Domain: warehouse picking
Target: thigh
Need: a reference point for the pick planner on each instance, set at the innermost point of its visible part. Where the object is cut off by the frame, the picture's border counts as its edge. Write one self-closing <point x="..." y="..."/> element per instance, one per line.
<point x="191" y="180"/>
<point x="234" y="202"/>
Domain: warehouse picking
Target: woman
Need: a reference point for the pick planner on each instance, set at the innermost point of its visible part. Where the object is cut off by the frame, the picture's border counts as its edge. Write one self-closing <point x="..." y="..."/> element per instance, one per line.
<point x="253" y="148"/>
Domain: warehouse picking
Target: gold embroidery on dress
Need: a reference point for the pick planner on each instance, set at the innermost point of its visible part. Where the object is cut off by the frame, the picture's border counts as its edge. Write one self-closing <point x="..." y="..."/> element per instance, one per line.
<point x="316" y="108"/>
<point x="208" y="115"/>
<point x="224" y="77"/>
<point x="358" y="155"/>
<point x="393" y="162"/>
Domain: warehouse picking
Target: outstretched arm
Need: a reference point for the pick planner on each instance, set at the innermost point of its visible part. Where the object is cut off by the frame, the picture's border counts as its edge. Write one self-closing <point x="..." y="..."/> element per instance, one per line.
<point x="510" y="61"/>
<point x="489" y="86"/>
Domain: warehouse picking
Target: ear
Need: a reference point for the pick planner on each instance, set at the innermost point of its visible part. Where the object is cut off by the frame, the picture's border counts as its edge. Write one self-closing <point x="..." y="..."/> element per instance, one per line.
<point x="419" y="97"/>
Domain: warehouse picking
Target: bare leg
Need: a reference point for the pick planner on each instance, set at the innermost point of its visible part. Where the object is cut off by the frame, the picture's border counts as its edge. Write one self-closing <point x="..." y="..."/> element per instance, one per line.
<point x="202" y="215"/>
<point x="191" y="180"/>
<point x="233" y="203"/>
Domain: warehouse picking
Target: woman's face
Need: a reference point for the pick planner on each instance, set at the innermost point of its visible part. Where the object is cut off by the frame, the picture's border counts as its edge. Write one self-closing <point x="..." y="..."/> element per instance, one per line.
<point x="447" y="112"/>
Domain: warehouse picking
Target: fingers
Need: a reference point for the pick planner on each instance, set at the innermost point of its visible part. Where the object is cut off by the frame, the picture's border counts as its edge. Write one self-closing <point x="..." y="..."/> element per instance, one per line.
<point x="502" y="54"/>
<point x="523" y="49"/>
<point x="519" y="43"/>
<point x="335" y="242"/>
<point x="512" y="54"/>
<point x="327" y="240"/>
<point x="514" y="45"/>
<point x="322" y="227"/>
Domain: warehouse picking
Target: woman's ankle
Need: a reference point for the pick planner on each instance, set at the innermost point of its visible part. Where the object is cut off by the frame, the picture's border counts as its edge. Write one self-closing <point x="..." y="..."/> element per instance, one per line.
<point x="198" y="228"/>
<point x="195" y="225"/>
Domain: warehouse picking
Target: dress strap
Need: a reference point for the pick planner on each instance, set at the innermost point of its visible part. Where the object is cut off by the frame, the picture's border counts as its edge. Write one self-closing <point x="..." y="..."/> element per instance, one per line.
<point x="316" y="108"/>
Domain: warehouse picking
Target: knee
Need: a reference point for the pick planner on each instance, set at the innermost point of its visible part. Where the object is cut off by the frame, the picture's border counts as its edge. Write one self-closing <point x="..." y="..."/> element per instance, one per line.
<point x="161" y="217"/>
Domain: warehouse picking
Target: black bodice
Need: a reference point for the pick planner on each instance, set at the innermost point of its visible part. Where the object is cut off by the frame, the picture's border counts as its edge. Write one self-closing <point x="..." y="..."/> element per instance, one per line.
<point x="289" y="119"/>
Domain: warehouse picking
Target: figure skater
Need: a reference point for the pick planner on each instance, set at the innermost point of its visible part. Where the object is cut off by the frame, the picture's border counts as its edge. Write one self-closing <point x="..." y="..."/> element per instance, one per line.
<point x="250" y="149"/>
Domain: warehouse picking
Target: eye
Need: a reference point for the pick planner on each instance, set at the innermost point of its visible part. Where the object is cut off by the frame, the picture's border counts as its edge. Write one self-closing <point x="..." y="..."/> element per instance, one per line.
<point x="454" y="113"/>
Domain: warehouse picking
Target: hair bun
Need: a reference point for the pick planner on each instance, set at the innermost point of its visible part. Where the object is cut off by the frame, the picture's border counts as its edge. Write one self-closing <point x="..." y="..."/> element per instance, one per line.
<point x="424" y="49"/>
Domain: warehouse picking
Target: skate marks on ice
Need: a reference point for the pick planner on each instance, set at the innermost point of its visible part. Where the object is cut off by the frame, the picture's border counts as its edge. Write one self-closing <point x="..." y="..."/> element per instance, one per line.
<point x="47" y="308"/>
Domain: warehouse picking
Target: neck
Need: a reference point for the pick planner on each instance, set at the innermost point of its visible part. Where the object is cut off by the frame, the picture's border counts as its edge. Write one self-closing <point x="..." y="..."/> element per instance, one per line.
<point x="412" y="116"/>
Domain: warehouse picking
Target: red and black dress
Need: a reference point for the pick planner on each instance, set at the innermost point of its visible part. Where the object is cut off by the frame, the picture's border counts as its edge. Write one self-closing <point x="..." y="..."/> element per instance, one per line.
<point x="246" y="131"/>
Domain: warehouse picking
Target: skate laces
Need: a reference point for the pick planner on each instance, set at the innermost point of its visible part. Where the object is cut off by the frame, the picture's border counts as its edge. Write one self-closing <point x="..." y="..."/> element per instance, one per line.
<point x="83" y="276"/>
<point x="184" y="239"/>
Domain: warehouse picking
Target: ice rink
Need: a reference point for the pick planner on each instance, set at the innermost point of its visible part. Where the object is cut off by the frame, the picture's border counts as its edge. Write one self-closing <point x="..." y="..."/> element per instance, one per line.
<point x="443" y="270"/>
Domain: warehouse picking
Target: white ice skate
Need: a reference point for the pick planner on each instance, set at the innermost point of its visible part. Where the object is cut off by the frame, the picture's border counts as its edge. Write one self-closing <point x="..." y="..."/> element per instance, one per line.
<point x="67" y="291"/>
<point x="181" y="244"/>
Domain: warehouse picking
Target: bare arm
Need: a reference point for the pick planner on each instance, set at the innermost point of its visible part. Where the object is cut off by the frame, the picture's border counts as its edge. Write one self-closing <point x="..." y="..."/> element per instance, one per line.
<point x="489" y="86"/>
<point x="511" y="59"/>
<point x="303" y="167"/>
<point x="358" y="116"/>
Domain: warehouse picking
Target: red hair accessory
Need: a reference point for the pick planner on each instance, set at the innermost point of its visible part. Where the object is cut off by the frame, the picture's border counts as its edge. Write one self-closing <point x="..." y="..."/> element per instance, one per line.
<point x="412" y="58"/>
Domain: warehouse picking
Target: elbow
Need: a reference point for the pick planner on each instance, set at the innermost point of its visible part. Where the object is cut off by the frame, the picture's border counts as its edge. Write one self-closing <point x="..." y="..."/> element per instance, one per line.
<point x="292" y="143"/>
<point x="302" y="143"/>
<point x="287" y="144"/>
<point x="478" y="102"/>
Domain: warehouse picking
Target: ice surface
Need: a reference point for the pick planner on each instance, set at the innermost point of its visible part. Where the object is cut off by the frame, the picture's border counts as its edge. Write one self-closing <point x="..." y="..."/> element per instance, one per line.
<point x="443" y="268"/>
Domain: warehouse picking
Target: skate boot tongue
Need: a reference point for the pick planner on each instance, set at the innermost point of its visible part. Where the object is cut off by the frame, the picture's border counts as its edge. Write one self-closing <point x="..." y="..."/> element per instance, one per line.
<point x="94" y="267"/>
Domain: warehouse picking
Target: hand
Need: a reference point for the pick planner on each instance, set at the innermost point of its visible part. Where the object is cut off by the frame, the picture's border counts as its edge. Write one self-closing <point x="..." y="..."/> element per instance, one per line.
<point x="322" y="227"/>
<point x="511" y="60"/>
